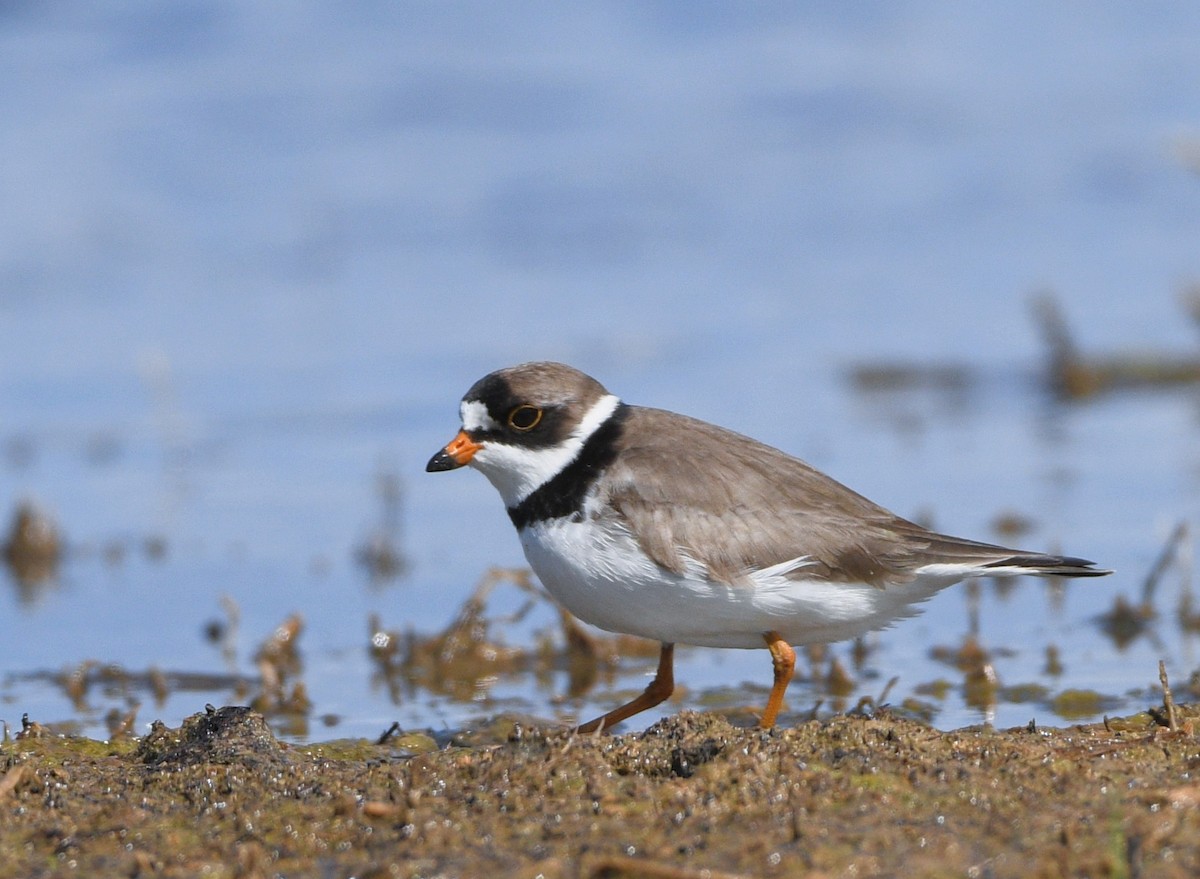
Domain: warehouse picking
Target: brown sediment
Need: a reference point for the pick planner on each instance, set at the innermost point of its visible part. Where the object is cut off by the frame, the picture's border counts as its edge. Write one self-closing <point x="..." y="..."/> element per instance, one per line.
<point x="693" y="795"/>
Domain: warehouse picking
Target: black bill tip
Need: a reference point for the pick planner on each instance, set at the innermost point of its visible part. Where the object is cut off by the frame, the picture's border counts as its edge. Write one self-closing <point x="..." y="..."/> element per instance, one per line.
<point x="443" y="460"/>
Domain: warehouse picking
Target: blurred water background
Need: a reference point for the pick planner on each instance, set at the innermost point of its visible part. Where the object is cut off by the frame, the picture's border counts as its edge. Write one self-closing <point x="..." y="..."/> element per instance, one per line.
<point x="252" y="254"/>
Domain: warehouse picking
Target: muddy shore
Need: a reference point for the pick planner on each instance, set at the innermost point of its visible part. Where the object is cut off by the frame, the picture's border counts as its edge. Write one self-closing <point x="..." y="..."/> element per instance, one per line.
<point x="694" y="795"/>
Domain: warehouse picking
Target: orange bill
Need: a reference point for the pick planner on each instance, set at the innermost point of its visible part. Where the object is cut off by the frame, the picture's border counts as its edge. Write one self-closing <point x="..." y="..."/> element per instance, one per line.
<point x="458" y="451"/>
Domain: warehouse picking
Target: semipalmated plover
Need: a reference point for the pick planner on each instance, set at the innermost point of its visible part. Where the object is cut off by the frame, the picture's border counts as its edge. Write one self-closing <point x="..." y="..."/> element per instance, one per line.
<point x="655" y="524"/>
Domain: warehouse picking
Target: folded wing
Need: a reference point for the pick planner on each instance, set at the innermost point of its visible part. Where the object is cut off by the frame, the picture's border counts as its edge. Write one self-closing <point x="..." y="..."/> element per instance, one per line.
<point x="704" y="495"/>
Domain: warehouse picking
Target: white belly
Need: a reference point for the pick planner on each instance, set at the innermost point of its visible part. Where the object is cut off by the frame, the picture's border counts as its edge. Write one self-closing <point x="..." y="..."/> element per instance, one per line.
<point x="599" y="574"/>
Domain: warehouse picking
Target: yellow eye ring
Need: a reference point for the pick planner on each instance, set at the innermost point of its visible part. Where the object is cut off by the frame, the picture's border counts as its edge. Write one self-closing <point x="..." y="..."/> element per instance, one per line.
<point x="524" y="418"/>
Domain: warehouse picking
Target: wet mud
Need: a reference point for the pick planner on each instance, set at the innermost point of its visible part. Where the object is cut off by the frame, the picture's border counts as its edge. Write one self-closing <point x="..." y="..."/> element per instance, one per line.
<point x="694" y="795"/>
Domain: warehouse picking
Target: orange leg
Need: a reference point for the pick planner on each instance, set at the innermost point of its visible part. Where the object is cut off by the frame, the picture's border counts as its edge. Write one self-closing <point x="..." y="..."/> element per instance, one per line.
<point x="783" y="657"/>
<point x="658" y="690"/>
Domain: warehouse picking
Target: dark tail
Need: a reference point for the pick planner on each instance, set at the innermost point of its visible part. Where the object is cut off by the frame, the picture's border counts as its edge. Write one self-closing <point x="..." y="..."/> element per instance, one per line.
<point x="1050" y="565"/>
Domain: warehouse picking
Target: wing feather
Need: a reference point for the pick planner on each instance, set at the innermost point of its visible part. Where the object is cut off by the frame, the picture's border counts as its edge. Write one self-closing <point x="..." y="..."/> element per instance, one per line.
<point x="694" y="493"/>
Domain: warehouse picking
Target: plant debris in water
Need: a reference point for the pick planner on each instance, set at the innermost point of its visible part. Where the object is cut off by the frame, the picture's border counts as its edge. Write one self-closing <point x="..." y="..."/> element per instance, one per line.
<point x="479" y="648"/>
<point x="33" y="547"/>
<point x="1073" y="375"/>
<point x="1070" y="374"/>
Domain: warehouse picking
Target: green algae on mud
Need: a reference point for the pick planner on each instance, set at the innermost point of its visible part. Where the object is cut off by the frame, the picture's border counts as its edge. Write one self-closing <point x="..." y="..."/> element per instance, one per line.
<point x="881" y="795"/>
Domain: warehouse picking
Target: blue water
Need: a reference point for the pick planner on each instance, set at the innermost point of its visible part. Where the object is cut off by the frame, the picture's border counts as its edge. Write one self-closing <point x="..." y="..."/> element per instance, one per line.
<point x="252" y="254"/>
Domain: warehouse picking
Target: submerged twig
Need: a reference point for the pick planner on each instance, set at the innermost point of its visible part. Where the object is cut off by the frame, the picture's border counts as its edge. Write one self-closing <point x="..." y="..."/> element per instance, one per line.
<point x="1170" y="552"/>
<point x="887" y="689"/>
<point x="1168" y="699"/>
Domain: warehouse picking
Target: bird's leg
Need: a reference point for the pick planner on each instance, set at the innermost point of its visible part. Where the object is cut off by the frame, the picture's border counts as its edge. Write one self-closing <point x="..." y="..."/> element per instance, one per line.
<point x="783" y="657"/>
<point x="658" y="690"/>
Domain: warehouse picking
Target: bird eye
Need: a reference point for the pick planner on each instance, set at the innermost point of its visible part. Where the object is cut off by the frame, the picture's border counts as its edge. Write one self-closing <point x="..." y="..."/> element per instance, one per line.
<point x="524" y="418"/>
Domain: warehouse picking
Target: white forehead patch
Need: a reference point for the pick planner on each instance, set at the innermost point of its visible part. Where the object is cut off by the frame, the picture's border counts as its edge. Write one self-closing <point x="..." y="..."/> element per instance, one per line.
<point x="516" y="471"/>
<point x="475" y="416"/>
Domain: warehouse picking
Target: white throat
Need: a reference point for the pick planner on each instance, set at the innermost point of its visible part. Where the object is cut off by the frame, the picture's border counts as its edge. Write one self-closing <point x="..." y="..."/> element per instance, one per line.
<point x="517" y="472"/>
